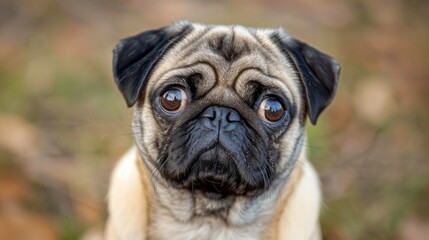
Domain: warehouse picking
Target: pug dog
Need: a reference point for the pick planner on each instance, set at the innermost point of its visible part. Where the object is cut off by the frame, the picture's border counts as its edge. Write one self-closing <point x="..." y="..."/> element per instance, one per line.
<point x="220" y="130"/>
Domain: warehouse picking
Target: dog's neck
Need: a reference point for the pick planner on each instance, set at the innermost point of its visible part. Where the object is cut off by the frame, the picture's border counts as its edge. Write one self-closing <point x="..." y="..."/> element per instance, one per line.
<point x="179" y="211"/>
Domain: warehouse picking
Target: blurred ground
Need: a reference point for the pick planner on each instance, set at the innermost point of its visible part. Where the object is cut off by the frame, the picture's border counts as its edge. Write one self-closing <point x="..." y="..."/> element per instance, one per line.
<point x="63" y="123"/>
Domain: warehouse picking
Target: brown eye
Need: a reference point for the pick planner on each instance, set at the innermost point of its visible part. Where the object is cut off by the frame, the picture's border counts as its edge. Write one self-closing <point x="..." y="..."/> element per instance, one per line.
<point x="174" y="100"/>
<point x="271" y="110"/>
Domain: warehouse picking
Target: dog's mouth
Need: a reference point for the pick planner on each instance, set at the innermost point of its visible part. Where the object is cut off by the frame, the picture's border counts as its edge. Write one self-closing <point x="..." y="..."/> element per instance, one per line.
<point x="214" y="174"/>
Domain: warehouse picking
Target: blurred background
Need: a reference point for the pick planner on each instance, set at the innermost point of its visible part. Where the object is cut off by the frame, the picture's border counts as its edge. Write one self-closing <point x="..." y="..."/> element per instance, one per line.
<point x="63" y="124"/>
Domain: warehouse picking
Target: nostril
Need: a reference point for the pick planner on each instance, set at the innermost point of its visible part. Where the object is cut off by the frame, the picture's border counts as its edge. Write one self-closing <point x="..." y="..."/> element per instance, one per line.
<point x="210" y="114"/>
<point x="220" y="115"/>
<point x="233" y="117"/>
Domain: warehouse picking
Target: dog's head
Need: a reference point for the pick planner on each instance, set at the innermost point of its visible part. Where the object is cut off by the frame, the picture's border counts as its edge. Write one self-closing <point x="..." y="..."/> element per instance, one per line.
<point x="222" y="109"/>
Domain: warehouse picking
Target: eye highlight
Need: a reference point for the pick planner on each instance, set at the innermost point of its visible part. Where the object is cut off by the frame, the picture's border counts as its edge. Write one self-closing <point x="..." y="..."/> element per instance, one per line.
<point x="174" y="100"/>
<point x="271" y="110"/>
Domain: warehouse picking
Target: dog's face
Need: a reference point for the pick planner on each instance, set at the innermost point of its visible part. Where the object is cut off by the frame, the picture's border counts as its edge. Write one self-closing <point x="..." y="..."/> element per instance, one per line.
<point x="221" y="110"/>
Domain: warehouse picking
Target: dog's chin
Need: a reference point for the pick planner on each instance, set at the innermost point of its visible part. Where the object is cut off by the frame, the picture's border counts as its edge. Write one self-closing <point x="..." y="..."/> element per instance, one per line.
<point x="215" y="175"/>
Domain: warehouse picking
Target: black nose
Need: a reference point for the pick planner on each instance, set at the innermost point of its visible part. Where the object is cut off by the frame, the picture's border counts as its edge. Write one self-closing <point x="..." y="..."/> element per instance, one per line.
<point x="220" y="118"/>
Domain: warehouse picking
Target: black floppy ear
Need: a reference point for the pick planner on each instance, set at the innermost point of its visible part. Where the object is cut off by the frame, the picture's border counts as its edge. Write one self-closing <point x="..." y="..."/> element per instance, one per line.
<point x="318" y="72"/>
<point x="135" y="57"/>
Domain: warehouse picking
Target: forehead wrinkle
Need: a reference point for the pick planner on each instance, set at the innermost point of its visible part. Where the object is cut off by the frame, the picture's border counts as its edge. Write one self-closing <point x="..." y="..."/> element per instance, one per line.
<point x="252" y="61"/>
<point x="196" y="42"/>
<point x="260" y="45"/>
<point x="210" y="76"/>
<point x="265" y="80"/>
<point x="230" y="42"/>
<point x="254" y="57"/>
<point x="189" y="43"/>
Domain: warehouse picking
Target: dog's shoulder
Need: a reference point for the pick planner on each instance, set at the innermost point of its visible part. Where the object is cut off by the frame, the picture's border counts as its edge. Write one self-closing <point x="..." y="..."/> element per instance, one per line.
<point x="126" y="200"/>
<point x="298" y="213"/>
